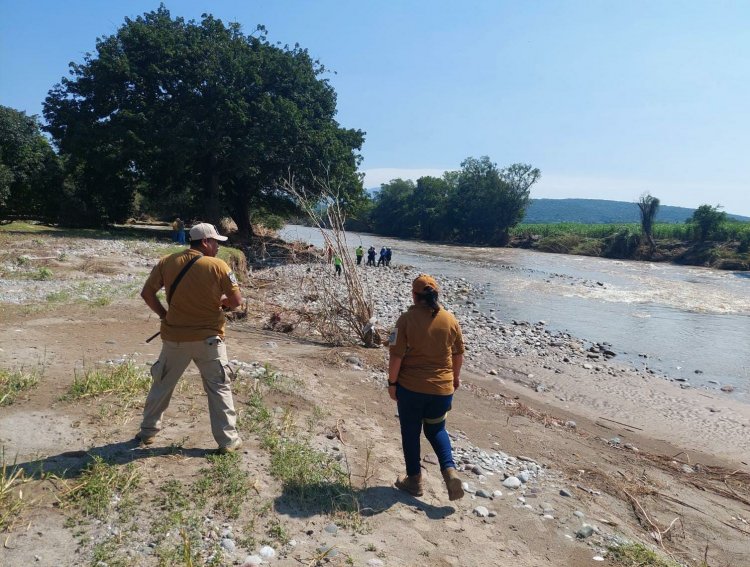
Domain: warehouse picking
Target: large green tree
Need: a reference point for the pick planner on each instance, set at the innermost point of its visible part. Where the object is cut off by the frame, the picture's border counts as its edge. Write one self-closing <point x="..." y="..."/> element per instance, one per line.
<point x="30" y="173"/>
<point x="429" y="202"/>
<point x="487" y="201"/>
<point x="707" y="220"/>
<point x="393" y="213"/>
<point x="201" y="114"/>
<point x="478" y="203"/>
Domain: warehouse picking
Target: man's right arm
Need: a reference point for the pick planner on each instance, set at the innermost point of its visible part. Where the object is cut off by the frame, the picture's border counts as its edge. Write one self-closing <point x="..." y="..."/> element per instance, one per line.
<point x="149" y="296"/>
<point x="232" y="300"/>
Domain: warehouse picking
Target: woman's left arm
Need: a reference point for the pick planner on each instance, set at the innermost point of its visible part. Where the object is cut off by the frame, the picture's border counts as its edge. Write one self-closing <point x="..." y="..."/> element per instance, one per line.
<point x="457" y="361"/>
<point x="394" y="367"/>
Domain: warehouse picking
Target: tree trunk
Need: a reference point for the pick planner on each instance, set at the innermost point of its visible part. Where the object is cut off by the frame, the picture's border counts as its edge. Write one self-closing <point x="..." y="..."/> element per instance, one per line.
<point x="241" y="216"/>
<point x="212" y="204"/>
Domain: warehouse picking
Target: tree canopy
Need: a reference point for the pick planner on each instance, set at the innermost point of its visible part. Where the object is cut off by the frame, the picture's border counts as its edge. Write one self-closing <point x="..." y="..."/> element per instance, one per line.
<point x="707" y="220"/>
<point x="197" y="118"/>
<point x="30" y="172"/>
<point x="479" y="203"/>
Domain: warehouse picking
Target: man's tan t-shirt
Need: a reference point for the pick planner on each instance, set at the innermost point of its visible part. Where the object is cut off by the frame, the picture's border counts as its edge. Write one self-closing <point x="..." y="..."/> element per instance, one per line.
<point x="194" y="313"/>
<point x="427" y="345"/>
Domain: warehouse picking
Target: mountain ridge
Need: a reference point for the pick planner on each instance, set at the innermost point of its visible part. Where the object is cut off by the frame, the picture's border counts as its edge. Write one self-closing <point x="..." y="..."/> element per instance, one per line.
<point x="602" y="211"/>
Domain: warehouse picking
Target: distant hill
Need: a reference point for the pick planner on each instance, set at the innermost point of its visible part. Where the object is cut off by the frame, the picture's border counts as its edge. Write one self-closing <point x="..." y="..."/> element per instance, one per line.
<point x="600" y="211"/>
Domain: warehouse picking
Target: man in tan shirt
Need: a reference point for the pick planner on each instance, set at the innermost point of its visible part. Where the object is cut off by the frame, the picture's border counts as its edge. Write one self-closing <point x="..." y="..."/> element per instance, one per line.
<point x="192" y="329"/>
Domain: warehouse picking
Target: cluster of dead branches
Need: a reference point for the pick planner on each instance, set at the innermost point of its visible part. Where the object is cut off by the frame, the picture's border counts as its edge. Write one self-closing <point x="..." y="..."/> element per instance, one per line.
<point x="345" y="312"/>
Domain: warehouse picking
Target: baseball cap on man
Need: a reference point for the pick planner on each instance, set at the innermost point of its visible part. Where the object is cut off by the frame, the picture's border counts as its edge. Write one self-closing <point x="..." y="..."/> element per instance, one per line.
<point x="422" y="282"/>
<point x="205" y="230"/>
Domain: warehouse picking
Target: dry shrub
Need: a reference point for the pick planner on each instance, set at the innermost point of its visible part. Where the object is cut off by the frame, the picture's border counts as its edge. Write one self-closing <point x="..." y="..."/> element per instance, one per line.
<point x="227" y="226"/>
<point x="729" y="483"/>
<point x="98" y="266"/>
<point x="238" y="263"/>
<point x="344" y="316"/>
<point x="280" y="323"/>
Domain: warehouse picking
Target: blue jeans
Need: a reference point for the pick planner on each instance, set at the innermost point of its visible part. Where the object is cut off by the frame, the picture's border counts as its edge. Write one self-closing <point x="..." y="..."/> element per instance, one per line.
<point x="413" y="409"/>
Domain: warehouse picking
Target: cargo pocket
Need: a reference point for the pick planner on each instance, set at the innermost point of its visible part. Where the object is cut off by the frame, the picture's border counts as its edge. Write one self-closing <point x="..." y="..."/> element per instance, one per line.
<point x="219" y="373"/>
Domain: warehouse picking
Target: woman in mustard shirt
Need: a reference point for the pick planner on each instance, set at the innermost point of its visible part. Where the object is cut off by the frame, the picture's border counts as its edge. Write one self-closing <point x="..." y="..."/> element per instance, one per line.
<point x="426" y="355"/>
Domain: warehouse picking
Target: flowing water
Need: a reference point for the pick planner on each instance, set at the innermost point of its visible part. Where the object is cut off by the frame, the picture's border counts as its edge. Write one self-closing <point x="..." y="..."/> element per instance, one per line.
<point x="682" y="318"/>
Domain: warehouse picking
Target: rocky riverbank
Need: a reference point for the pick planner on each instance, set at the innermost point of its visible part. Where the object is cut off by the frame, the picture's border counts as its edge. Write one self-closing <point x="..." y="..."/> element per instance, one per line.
<point x="718" y="255"/>
<point x="561" y="369"/>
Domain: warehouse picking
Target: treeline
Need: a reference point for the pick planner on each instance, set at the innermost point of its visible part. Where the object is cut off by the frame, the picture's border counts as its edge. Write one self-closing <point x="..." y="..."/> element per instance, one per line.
<point x="171" y="117"/>
<point x="31" y="173"/>
<point x="479" y="203"/>
<point x="483" y="204"/>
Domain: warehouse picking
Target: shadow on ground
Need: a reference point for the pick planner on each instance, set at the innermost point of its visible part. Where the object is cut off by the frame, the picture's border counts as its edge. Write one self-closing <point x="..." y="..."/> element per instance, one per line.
<point x="70" y="464"/>
<point x="327" y="498"/>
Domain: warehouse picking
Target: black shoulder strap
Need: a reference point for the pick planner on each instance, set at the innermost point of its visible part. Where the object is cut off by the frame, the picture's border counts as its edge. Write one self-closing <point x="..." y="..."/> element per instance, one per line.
<point x="179" y="277"/>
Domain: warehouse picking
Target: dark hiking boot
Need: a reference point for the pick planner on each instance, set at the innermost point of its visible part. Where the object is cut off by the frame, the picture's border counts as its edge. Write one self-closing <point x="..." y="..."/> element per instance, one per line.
<point x="232" y="447"/>
<point x="145" y="439"/>
<point x="410" y="484"/>
<point x="453" y="483"/>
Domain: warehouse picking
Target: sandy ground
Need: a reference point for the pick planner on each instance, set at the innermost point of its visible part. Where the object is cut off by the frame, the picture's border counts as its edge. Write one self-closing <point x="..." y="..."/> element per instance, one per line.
<point x="681" y="459"/>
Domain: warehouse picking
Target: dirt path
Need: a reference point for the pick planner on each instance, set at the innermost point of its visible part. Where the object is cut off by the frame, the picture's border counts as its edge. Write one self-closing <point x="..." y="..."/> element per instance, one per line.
<point x="327" y="405"/>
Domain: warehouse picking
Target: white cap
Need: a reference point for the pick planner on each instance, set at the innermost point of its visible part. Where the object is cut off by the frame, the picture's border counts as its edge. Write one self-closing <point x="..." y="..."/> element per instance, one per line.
<point x="205" y="230"/>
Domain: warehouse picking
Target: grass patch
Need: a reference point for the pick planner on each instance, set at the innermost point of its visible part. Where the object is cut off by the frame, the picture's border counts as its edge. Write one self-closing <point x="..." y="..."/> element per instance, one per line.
<point x="43" y="274"/>
<point x="21" y="226"/>
<point x="311" y="478"/>
<point x="98" y="486"/>
<point x="638" y="555"/>
<point x="224" y="480"/>
<point x="95" y="294"/>
<point x="11" y="502"/>
<point x="126" y="380"/>
<point x="62" y="296"/>
<point x="106" y="553"/>
<point x="13" y="384"/>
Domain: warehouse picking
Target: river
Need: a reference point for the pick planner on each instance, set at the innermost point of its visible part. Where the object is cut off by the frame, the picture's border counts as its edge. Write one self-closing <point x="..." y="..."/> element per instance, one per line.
<point x="675" y="319"/>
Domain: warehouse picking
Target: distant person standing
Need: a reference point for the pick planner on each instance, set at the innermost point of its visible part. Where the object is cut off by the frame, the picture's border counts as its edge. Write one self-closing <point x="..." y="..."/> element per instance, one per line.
<point x="359" y="252"/>
<point x="337" y="264"/>
<point x="381" y="260"/>
<point x="198" y="285"/>
<point x="329" y="253"/>
<point x="371" y="256"/>
<point x="178" y="231"/>
<point x="388" y="254"/>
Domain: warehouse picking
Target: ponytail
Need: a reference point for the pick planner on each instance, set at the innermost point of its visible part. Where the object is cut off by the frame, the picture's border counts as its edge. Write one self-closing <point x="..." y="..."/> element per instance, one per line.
<point x="430" y="297"/>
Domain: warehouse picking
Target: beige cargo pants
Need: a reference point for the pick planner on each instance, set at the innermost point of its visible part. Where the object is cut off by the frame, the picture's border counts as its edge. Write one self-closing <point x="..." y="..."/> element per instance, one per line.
<point x="210" y="356"/>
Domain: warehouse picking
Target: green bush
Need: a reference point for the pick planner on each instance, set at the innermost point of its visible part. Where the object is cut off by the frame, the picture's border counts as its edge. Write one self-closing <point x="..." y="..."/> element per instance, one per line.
<point x="43" y="274"/>
<point x="622" y="244"/>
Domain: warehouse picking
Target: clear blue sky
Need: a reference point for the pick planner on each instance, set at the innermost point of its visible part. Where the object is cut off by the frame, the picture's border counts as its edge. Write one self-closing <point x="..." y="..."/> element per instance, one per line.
<point x="609" y="99"/>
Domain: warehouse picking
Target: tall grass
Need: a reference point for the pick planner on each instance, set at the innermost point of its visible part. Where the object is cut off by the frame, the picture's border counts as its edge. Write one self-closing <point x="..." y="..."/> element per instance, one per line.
<point x="14" y="383"/>
<point x="126" y="380"/>
<point x="730" y="230"/>
<point x="95" y="490"/>
<point x="11" y="502"/>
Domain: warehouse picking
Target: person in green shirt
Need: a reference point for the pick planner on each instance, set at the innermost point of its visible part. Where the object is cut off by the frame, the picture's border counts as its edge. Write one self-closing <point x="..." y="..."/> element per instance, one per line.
<point x="337" y="264"/>
<point x="360" y="252"/>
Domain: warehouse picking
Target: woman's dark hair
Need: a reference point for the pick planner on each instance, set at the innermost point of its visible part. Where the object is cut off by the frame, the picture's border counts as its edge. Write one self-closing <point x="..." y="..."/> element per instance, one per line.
<point x="430" y="297"/>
